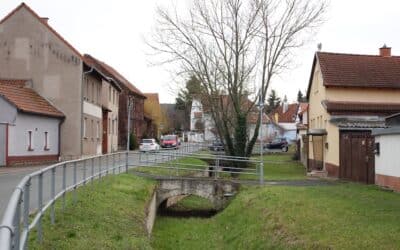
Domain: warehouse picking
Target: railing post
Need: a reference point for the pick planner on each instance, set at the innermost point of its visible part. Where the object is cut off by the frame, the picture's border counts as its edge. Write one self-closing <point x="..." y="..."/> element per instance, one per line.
<point x="53" y="195"/>
<point x="64" y="184"/>
<point x="17" y="225"/>
<point x="75" y="181"/>
<point x="107" y="163"/>
<point x="261" y="173"/>
<point x="92" y="170"/>
<point x="113" y="164"/>
<point x="119" y="163"/>
<point x="26" y="208"/>
<point x="84" y="172"/>
<point x="216" y="173"/>
<point x="100" y="167"/>
<point x="40" y="206"/>
<point x="126" y="163"/>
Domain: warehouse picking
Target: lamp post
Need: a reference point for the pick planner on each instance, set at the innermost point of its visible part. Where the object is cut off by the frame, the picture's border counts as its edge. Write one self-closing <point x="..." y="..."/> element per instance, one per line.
<point x="129" y="106"/>
<point x="261" y="108"/>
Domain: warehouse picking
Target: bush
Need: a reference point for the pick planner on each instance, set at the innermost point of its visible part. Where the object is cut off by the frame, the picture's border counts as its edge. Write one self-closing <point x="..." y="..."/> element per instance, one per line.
<point x="133" y="144"/>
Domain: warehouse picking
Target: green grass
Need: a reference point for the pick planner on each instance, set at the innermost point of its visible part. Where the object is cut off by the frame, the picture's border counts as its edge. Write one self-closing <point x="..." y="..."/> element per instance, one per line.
<point x="344" y="216"/>
<point x="108" y="215"/>
<point x="187" y="162"/>
<point x="193" y="202"/>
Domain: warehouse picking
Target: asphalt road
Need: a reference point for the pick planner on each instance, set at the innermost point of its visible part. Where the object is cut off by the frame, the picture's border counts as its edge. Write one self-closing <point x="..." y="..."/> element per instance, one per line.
<point x="9" y="179"/>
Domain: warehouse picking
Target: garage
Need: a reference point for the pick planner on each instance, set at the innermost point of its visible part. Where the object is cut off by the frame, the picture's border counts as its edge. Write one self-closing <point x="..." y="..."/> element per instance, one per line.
<point x="357" y="162"/>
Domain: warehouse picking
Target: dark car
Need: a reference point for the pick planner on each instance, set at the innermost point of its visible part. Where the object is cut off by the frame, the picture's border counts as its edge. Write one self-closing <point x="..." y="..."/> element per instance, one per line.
<point x="278" y="143"/>
<point x="216" y="146"/>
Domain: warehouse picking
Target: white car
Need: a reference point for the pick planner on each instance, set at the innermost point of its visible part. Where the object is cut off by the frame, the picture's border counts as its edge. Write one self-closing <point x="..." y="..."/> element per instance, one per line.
<point x="149" y="145"/>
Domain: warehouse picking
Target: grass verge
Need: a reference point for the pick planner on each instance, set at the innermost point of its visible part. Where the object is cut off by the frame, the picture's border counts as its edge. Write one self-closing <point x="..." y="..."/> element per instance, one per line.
<point x="344" y="216"/>
<point x="108" y="215"/>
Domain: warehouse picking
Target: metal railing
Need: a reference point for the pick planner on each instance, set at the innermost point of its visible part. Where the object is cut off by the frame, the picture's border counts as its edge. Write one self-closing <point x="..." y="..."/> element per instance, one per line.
<point x="58" y="180"/>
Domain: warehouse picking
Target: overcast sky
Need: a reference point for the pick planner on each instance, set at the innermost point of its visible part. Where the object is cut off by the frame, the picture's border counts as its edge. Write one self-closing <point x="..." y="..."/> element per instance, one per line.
<point x="113" y="31"/>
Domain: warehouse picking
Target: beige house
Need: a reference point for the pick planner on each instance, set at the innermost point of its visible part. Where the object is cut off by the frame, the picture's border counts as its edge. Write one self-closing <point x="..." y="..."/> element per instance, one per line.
<point x="349" y="95"/>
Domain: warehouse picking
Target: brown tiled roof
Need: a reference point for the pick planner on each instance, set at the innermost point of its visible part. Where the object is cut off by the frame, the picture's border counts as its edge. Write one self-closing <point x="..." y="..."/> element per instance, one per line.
<point x="349" y="70"/>
<point x="337" y="108"/>
<point x="288" y="116"/>
<point x="26" y="99"/>
<point x="252" y="118"/>
<point x="23" y="5"/>
<point x="111" y="72"/>
<point x="198" y="114"/>
<point x="303" y="107"/>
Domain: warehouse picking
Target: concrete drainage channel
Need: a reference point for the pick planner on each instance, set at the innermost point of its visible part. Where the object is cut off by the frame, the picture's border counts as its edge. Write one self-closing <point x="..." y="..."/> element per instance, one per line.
<point x="170" y="192"/>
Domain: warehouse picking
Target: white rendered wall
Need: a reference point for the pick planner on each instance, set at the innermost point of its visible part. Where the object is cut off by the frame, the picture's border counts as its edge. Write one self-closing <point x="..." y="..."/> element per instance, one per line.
<point x="388" y="161"/>
<point x="18" y="140"/>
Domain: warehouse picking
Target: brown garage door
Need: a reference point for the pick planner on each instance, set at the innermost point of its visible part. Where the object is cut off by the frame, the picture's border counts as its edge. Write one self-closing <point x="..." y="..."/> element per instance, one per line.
<point x="357" y="162"/>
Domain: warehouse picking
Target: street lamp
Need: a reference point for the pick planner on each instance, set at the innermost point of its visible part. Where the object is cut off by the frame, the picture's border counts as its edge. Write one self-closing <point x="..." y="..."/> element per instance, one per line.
<point x="130" y="107"/>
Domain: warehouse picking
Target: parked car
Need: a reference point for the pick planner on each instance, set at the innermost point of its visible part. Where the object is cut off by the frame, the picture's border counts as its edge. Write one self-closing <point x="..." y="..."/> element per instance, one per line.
<point x="278" y="143"/>
<point x="149" y="145"/>
<point x="170" y="141"/>
<point x="216" y="146"/>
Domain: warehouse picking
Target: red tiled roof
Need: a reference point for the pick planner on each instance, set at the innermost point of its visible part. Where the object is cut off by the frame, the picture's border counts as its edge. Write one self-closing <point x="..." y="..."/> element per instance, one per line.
<point x="111" y="72"/>
<point x="252" y="118"/>
<point x="23" y="5"/>
<point x="289" y="116"/>
<point x="26" y="99"/>
<point x="349" y="70"/>
<point x="337" y="108"/>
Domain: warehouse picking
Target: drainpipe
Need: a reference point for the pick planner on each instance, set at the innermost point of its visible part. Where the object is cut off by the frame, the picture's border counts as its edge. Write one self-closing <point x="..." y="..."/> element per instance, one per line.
<point x="83" y="78"/>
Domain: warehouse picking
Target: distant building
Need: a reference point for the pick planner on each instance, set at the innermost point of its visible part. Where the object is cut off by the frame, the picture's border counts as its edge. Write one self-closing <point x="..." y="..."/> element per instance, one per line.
<point x="29" y="125"/>
<point x="283" y="120"/>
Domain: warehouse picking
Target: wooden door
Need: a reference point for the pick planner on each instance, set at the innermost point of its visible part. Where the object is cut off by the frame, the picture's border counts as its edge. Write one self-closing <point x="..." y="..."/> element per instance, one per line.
<point x="105" y="133"/>
<point x="357" y="162"/>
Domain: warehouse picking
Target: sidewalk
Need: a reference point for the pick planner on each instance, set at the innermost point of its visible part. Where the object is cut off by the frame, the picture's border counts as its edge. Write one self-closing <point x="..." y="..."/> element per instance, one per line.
<point x="20" y="169"/>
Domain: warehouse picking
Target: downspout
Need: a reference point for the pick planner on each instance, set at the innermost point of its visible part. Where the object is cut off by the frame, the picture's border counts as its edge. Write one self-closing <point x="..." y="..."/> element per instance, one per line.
<point x="7" y="144"/>
<point x="83" y="78"/>
<point x="59" y="137"/>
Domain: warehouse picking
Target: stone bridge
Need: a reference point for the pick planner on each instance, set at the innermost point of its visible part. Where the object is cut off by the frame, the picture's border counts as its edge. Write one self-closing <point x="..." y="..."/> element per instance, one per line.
<point x="217" y="192"/>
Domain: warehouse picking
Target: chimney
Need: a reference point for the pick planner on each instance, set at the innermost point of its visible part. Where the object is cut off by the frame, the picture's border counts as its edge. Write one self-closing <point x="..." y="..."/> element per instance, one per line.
<point x="45" y="20"/>
<point x="385" y="51"/>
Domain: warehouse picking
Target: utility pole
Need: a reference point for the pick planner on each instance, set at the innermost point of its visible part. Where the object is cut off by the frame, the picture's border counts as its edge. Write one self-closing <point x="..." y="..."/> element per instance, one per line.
<point x="261" y="108"/>
<point x="129" y="108"/>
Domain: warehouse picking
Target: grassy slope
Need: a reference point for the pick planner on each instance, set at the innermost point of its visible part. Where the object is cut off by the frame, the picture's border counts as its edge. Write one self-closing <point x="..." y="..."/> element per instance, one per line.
<point x="111" y="216"/>
<point x="346" y="216"/>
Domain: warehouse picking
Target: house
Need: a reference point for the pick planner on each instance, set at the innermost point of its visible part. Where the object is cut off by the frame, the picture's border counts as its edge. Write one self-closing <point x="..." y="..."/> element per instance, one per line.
<point x="128" y="92"/>
<point x="29" y="125"/>
<point x="101" y="107"/>
<point x="152" y="110"/>
<point x="349" y="95"/>
<point x="202" y="125"/>
<point x="387" y="150"/>
<point x="284" y="121"/>
<point x="302" y="128"/>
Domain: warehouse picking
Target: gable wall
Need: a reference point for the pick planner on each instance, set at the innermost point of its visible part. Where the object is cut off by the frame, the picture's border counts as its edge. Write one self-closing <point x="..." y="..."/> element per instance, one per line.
<point x="28" y="50"/>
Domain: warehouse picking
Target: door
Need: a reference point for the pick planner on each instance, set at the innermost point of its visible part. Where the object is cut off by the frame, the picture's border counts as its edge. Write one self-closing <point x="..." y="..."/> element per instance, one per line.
<point x="105" y="133"/>
<point x="357" y="161"/>
<point x="3" y="144"/>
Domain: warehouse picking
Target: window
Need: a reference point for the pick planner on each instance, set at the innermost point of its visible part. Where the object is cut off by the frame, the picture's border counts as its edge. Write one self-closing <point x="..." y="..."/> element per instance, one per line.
<point x="46" y="141"/>
<point x="109" y="93"/>
<point x="113" y="96"/>
<point x="30" y="141"/>
<point x="113" y="126"/>
<point x="92" y="129"/>
<point x="109" y="125"/>
<point x="93" y="92"/>
<point x="84" y="128"/>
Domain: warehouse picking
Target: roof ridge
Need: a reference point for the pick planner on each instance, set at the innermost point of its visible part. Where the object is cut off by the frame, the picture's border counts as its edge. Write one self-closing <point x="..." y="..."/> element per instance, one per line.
<point x="354" y="54"/>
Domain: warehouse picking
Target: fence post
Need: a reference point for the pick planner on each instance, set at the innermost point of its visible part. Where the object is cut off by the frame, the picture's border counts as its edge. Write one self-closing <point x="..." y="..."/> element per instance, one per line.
<point x="40" y="206"/>
<point x="119" y="163"/>
<point x="84" y="172"/>
<point x="64" y="184"/>
<point x="113" y="164"/>
<point x="17" y="220"/>
<point x="92" y="171"/>
<point x="261" y="173"/>
<point x="126" y="163"/>
<point x="53" y="194"/>
<point x="26" y="207"/>
<point x="75" y="181"/>
<point x="107" y="163"/>
<point x="100" y="168"/>
<point x="216" y="173"/>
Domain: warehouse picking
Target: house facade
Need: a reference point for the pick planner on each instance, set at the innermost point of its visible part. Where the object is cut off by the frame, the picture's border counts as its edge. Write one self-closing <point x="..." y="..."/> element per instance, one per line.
<point x="29" y="125"/>
<point x="31" y="49"/>
<point x="127" y="92"/>
<point x="349" y="95"/>
<point x="284" y="122"/>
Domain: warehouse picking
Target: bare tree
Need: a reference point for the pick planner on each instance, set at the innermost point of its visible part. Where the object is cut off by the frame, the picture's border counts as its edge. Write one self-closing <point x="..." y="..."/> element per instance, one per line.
<point x="235" y="48"/>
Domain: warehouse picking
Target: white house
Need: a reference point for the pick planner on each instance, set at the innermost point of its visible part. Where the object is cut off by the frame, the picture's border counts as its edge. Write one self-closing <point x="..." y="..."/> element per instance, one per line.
<point x="284" y="121"/>
<point x="29" y="125"/>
